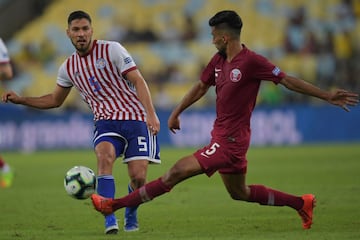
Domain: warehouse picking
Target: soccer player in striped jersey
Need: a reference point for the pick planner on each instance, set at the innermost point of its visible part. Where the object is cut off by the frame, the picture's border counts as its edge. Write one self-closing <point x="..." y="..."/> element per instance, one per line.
<point x="236" y="72"/>
<point x="126" y="123"/>
<point x="6" y="72"/>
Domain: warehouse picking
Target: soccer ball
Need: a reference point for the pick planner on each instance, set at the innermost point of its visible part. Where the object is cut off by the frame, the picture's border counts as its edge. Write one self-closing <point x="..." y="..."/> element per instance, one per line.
<point x="80" y="182"/>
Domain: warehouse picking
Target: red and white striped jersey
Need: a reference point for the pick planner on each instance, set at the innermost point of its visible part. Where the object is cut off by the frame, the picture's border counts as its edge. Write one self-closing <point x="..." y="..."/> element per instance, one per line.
<point x="4" y="56"/>
<point x="99" y="78"/>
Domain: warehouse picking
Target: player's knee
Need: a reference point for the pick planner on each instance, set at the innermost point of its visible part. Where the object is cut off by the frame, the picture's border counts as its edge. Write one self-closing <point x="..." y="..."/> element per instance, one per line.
<point x="105" y="163"/>
<point x="105" y="158"/>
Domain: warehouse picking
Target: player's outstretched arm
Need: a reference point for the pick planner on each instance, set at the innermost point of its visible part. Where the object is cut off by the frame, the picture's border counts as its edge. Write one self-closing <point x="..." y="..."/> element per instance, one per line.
<point x="338" y="97"/>
<point x="51" y="100"/>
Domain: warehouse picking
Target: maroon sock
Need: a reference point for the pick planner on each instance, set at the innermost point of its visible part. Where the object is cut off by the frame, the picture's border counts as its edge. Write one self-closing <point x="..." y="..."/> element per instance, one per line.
<point x="2" y="163"/>
<point x="271" y="197"/>
<point x="142" y="195"/>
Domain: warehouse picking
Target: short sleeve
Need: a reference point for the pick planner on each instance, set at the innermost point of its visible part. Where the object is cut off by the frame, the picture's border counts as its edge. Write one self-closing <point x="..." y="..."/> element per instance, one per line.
<point x="4" y="56"/>
<point x="63" y="78"/>
<point x="263" y="69"/>
<point x="121" y="58"/>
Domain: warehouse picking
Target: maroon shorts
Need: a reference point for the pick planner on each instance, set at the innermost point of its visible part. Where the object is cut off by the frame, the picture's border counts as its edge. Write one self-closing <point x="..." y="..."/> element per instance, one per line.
<point x="223" y="156"/>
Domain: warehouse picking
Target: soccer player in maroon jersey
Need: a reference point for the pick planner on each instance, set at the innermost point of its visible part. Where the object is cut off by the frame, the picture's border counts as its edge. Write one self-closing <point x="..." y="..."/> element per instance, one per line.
<point x="236" y="72"/>
<point x="6" y="72"/>
<point x="126" y="123"/>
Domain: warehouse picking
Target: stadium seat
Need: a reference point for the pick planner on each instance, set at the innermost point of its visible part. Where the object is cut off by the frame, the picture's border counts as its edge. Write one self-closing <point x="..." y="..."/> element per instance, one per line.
<point x="263" y="31"/>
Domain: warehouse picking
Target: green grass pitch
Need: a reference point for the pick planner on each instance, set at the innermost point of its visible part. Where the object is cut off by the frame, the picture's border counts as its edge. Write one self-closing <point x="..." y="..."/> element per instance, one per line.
<point x="36" y="207"/>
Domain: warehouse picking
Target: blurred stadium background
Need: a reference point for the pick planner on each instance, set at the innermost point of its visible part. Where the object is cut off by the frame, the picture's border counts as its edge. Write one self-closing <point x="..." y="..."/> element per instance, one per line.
<point x="317" y="40"/>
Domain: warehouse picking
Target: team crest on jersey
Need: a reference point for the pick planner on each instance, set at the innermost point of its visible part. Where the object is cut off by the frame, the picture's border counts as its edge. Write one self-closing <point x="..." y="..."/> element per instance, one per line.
<point x="235" y="75"/>
<point x="100" y="63"/>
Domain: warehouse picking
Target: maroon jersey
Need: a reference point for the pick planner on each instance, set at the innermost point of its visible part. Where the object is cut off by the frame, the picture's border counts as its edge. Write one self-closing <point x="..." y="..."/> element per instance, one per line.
<point x="237" y="85"/>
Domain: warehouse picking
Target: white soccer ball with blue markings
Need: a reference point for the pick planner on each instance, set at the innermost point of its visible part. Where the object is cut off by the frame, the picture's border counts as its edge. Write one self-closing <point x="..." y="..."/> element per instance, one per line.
<point x="80" y="182"/>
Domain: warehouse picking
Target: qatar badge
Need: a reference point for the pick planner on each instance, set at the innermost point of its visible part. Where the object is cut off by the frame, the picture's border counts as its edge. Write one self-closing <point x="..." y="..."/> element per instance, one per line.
<point x="100" y="63"/>
<point x="235" y="75"/>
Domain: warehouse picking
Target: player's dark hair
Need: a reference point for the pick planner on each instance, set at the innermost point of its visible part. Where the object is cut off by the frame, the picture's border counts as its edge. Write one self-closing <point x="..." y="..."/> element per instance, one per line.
<point x="227" y="20"/>
<point x="78" y="15"/>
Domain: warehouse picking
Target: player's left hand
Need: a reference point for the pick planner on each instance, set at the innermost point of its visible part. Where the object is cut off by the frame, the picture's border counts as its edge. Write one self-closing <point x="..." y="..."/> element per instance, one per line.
<point x="174" y="123"/>
<point x="153" y="124"/>
<point x="11" y="96"/>
<point x="343" y="99"/>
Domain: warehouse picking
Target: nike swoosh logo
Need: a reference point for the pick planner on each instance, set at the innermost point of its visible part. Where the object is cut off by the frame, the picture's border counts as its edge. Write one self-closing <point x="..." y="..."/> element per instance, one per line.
<point x="217" y="70"/>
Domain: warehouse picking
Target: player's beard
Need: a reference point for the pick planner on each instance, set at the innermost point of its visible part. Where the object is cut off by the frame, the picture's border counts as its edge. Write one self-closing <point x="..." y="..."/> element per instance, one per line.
<point x="82" y="47"/>
<point x="222" y="51"/>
